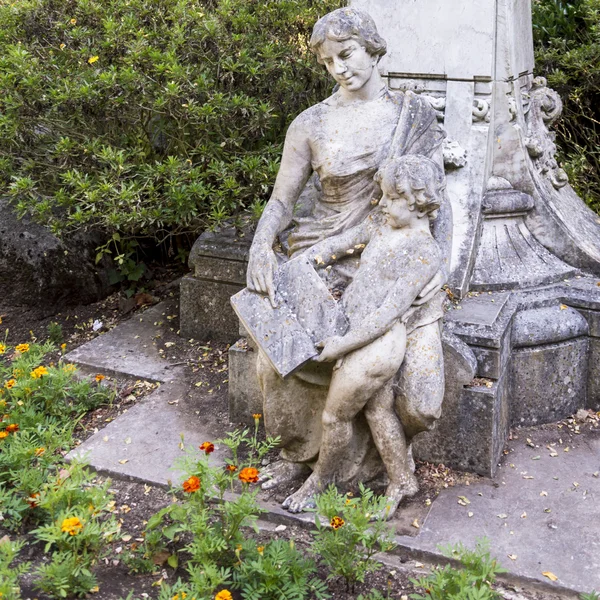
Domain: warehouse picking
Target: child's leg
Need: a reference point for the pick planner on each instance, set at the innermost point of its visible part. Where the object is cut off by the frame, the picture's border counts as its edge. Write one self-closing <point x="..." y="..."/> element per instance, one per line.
<point x="361" y="374"/>
<point x="390" y="441"/>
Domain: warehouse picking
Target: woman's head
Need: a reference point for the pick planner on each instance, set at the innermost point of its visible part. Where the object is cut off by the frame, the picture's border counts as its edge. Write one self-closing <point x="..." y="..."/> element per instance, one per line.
<point x="418" y="178"/>
<point x="344" y="24"/>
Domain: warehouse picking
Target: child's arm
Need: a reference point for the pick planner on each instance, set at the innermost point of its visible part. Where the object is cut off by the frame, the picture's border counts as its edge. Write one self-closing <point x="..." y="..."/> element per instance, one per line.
<point x="350" y="242"/>
<point x="421" y="265"/>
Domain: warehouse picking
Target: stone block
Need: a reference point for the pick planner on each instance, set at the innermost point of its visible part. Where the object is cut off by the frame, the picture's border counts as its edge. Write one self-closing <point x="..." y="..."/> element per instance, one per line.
<point x="473" y="428"/>
<point x="219" y="261"/>
<point x="548" y="383"/>
<point x="593" y="391"/>
<point x="205" y="310"/>
<point x="245" y="397"/>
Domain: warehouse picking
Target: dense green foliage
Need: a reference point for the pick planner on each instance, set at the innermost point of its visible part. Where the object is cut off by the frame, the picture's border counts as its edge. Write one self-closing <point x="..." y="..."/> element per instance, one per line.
<point x="150" y="116"/>
<point x="567" y="46"/>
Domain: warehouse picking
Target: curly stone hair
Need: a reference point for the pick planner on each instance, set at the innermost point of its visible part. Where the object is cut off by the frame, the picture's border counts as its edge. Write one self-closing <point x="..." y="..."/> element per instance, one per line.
<point x="344" y="24"/>
<point x="421" y="174"/>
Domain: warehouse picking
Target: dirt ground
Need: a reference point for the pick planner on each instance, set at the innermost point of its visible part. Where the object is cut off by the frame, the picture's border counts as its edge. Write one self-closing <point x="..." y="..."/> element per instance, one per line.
<point x="136" y="502"/>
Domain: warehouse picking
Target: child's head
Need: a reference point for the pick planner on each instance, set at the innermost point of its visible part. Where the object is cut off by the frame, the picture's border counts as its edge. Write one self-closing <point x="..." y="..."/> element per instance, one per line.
<point x="416" y="178"/>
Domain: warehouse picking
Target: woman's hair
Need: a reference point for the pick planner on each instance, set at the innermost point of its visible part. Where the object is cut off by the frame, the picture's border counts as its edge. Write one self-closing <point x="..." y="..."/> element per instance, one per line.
<point x="420" y="174"/>
<point x="344" y="24"/>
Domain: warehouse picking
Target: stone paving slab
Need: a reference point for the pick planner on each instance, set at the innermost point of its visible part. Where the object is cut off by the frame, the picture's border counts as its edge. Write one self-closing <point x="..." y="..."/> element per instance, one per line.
<point x="544" y="512"/>
<point x="144" y="443"/>
<point x="129" y="349"/>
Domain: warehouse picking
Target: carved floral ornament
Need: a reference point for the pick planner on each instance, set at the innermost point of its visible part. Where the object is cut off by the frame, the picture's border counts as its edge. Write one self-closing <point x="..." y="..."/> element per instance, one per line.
<point x="545" y="106"/>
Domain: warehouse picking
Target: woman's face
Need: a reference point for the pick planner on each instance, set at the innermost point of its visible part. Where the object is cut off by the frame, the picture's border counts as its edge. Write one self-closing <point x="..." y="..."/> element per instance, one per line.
<point x="348" y="62"/>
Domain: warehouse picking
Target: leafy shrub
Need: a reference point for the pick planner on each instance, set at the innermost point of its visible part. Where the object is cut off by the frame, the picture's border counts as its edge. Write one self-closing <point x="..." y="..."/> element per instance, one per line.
<point x="279" y="571"/>
<point x="150" y="116"/>
<point x="357" y="530"/>
<point x="471" y="582"/>
<point x="9" y="576"/>
<point x="567" y="52"/>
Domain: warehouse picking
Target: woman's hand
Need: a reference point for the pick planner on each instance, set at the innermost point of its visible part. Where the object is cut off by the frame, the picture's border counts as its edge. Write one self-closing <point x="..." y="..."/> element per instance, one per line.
<point x="333" y="348"/>
<point x="262" y="265"/>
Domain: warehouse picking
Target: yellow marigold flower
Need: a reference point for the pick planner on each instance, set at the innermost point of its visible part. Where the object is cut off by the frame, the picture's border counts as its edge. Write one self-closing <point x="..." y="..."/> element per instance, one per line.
<point x="93" y="59"/>
<point x="260" y="550"/>
<point x="72" y="525"/>
<point x="248" y="475"/>
<point x="2" y="346"/>
<point x="22" y="348"/>
<point x="337" y="522"/>
<point x="39" y="372"/>
<point x="256" y="416"/>
<point x="62" y="46"/>
<point x="69" y="368"/>
<point x="10" y="384"/>
<point x="2" y="402"/>
<point x="99" y="377"/>
<point x="3" y="434"/>
<point x="224" y="595"/>
<point x="63" y="347"/>
<point x="40" y="451"/>
<point x="73" y="21"/>
<point x="179" y="596"/>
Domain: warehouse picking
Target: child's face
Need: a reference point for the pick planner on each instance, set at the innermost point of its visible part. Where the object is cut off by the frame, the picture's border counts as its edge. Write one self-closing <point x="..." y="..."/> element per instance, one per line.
<point x="395" y="203"/>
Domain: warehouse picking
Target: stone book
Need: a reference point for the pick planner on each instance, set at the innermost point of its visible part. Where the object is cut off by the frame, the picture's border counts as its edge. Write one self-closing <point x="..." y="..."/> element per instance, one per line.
<point x="305" y="314"/>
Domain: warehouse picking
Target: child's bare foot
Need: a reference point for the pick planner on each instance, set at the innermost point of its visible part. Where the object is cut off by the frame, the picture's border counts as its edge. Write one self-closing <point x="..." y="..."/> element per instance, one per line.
<point x="396" y="492"/>
<point x="282" y="472"/>
<point x="304" y="498"/>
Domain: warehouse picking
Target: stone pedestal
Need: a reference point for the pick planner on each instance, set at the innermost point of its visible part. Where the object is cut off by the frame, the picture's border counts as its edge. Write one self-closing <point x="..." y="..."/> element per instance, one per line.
<point x="219" y="262"/>
<point x="522" y="337"/>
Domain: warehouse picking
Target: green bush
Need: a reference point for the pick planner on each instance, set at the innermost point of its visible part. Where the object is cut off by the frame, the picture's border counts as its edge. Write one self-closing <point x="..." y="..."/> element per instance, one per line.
<point x="149" y="117"/>
<point x="567" y="52"/>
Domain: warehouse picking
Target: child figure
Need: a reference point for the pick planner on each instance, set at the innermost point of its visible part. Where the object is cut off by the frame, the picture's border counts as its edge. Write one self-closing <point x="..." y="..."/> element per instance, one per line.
<point x="399" y="257"/>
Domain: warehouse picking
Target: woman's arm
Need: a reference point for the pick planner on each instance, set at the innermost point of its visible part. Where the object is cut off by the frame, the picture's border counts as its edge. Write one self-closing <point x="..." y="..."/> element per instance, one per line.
<point x="328" y="251"/>
<point x="294" y="171"/>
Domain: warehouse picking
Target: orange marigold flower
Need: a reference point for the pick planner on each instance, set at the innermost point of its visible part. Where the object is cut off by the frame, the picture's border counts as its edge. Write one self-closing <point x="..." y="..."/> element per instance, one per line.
<point x="224" y="595"/>
<point x="260" y="550"/>
<point x="191" y="485"/>
<point x="39" y="372"/>
<point x="256" y="416"/>
<point x="32" y="500"/>
<point x="337" y="522"/>
<point x="248" y="475"/>
<point x="22" y="348"/>
<point x="12" y="428"/>
<point x="10" y="384"/>
<point x="2" y="348"/>
<point x="72" y="525"/>
<point x="40" y="451"/>
<point x="208" y="447"/>
<point x="3" y="434"/>
<point x="99" y="377"/>
<point x="231" y="468"/>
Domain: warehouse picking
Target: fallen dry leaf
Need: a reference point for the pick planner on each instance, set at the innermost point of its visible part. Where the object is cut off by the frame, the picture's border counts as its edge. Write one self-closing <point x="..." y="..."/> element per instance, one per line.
<point x="415" y="524"/>
<point x="550" y="576"/>
<point x="125" y="460"/>
<point x="512" y="556"/>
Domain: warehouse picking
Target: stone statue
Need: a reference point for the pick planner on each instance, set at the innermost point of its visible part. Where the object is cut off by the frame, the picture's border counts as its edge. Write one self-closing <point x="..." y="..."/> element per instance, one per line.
<point x="326" y="196"/>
